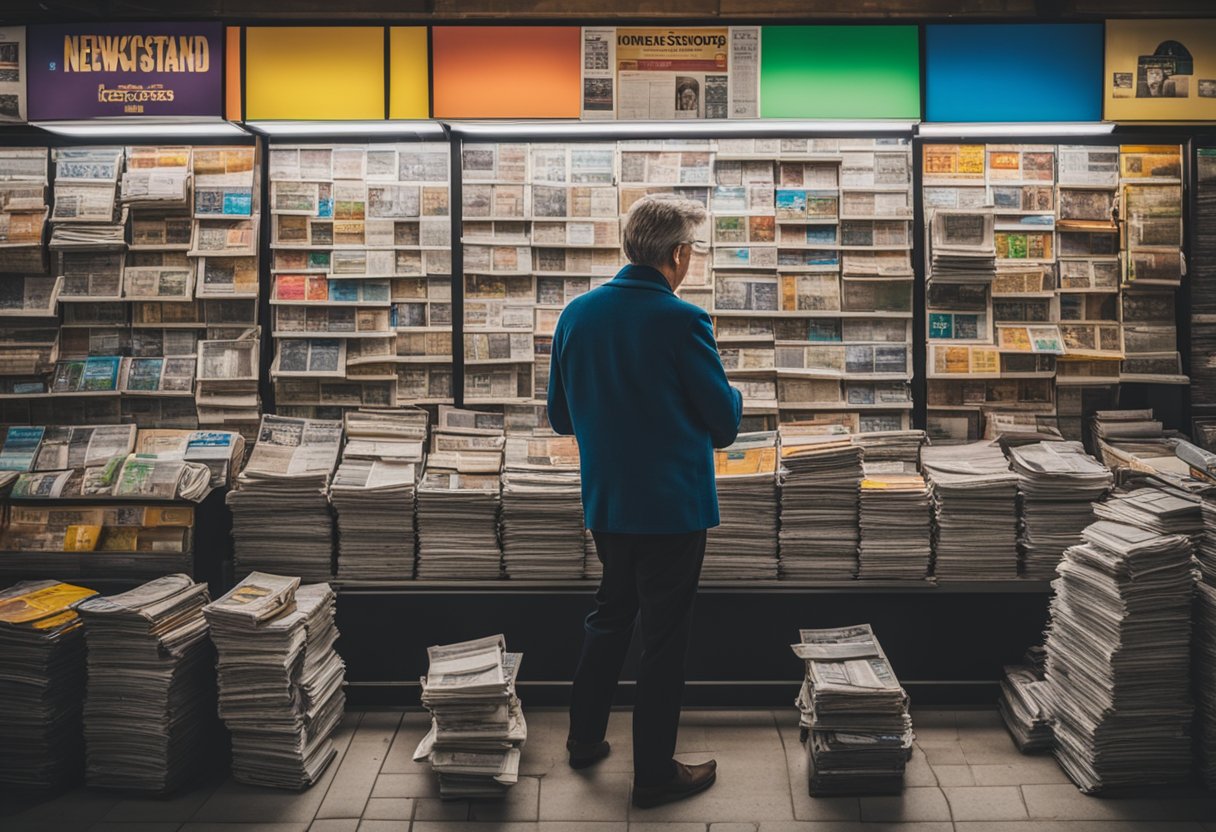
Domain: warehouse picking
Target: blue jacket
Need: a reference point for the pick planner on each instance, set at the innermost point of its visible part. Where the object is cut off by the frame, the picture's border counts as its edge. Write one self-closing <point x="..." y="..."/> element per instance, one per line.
<point x="635" y="376"/>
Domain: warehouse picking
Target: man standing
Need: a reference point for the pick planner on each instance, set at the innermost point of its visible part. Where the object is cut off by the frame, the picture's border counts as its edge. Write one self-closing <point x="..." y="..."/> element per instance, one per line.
<point x="635" y="376"/>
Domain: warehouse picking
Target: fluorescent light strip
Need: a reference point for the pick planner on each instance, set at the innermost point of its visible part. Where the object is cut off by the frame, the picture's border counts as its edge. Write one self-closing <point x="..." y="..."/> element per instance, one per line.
<point x="591" y="129"/>
<point x="101" y="128"/>
<point x="419" y="129"/>
<point x="1036" y="128"/>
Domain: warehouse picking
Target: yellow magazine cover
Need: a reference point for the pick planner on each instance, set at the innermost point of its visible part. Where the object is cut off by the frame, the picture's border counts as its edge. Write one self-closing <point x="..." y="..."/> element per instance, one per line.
<point x="51" y="602"/>
<point x="80" y="538"/>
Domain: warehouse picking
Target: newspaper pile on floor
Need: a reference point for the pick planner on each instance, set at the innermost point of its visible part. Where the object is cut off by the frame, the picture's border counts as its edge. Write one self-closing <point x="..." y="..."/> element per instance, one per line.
<point x="149" y="711"/>
<point x="1205" y="681"/>
<point x="895" y="519"/>
<point x="1058" y="482"/>
<point x="477" y="723"/>
<point x="373" y="493"/>
<point x="744" y="545"/>
<point x="819" y="498"/>
<point x="459" y="497"/>
<point x="280" y="679"/>
<point x="975" y="509"/>
<point x="42" y="677"/>
<point x="854" y="714"/>
<point x="542" y="508"/>
<point x="1023" y="707"/>
<point x="280" y="512"/>
<point x="1118" y="658"/>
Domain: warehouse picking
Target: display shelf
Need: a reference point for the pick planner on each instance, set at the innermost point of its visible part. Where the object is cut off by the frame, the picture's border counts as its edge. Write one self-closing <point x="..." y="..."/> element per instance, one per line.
<point x="505" y="585"/>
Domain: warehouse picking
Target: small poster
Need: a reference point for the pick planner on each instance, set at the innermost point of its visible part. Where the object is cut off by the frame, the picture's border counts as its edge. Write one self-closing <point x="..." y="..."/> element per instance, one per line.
<point x="1160" y="70"/>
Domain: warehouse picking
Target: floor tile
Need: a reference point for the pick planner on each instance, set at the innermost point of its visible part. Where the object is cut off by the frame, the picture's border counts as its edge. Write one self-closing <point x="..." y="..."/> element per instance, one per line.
<point x="428" y="808"/>
<point x="918" y="772"/>
<point x="943" y="753"/>
<point x="667" y="826"/>
<point x="914" y="804"/>
<point x="590" y="794"/>
<point x="1030" y="771"/>
<point x="132" y="826"/>
<point x="1065" y="802"/>
<point x="244" y="827"/>
<point x="73" y="808"/>
<point x="389" y="808"/>
<point x="180" y="807"/>
<point x="1077" y="826"/>
<point x="954" y="775"/>
<point x="406" y="785"/>
<point x="752" y="785"/>
<point x="335" y="825"/>
<point x="985" y="746"/>
<point x="521" y="802"/>
<point x="370" y="825"/>
<point x="356" y="776"/>
<point x="732" y="827"/>
<point x="985" y="803"/>
<point x="413" y="727"/>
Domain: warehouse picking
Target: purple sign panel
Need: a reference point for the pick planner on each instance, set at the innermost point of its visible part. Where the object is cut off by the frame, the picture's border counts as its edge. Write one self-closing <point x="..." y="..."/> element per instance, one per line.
<point x="86" y="70"/>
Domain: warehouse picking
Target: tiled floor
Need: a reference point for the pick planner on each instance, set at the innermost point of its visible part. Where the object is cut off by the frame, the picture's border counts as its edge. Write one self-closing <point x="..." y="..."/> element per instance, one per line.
<point x="965" y="776"/>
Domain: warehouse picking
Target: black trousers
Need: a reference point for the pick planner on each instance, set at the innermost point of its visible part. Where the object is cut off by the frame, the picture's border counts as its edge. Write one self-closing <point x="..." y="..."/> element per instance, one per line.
<point x="655" y="575"/>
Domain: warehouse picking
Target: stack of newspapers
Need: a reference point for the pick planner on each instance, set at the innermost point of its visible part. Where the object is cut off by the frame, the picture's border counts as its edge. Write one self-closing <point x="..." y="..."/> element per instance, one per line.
<point x="280" y="679"/>
<point x="1058" y="482"/>
<point x="819" y="497"/>
<point x="280" y="509"/>
<point x="1156" y="510"/>
<point x="458" y="500"/>
<point x="477" y="724"/>
<point x="854" y="714"/>
<point x="744" y="545"/>
<point x="896" y="520"/>
<point x="1205" y="680"/>
<point x="149" y="711"/>
<point x="42" y="677"/>
<point x="962" y="245"/>
<point x="542" y="508"/>
<point x="1024" y="709"/>
<point x="1118" y="658"/>
<point x="975" y="498"/>
<point x="373" y="493"/>
<point x="1205" y="551"/>
<point x="892" y="446"/>
<point x="86" y="214"/>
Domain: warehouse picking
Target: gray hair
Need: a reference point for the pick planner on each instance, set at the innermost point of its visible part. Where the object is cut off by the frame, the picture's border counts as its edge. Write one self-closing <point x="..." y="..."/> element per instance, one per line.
<point x="656" y="225"/>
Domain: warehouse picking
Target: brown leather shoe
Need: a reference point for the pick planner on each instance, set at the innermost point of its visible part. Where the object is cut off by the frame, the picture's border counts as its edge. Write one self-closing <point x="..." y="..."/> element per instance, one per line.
<point x="687" y="781"/>
<point x="583" y="754"/>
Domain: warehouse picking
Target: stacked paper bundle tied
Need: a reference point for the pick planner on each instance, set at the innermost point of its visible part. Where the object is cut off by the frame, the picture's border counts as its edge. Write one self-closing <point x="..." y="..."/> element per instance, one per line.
<point x="280" y="679"/>
<point x="42" y="678"/>
<point x="458" y="499"/>
<point x="477" y="723"/>
<point x="542" y="509"/>
<point x="1058" y="482"/>
<point x="975" y="511"/>
<point x="373" y="493"/>
<point x="819" y="499"/>
<point x="744" y="545"/>
<point x="854" y="714"/>
<point x="1205" y="644"/>
<point x="1118" y="658"/>
<point x="149" y="711"/>
<point x="280" y="510"/>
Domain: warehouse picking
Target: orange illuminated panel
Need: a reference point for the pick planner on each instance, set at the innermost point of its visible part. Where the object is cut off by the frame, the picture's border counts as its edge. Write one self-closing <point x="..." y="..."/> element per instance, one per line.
<point x="232" y="73"/>
<point x="505" y="71"/>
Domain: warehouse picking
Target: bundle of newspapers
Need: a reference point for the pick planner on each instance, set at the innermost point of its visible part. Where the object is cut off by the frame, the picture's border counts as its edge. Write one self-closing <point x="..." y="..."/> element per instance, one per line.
<point x="744" y="545"/>
<point x="373" y="493"/>
<point x="280" y="679"/>
<point x="1058" y="482"/>
<point x="1159" y="510"/>
<point x="1205" y="551"/>
<point x="854" y="714"/>
<point x="1023" y="707"/>
<point x="542" y="509"/>
<point x="477" y="723"/>
<point x="149" y="711"/>
<point x="458" y="500"/>
<point x="892" y="446"/>
<point x="280" y="509"/>
<point x="895" y="520"/>
<point x="975" y="498"/>
<point x="85" y="212"/>
<point x="1205" y="681"/>
<point x="1118" y="658"/>
<point x="819" y="499"/>
<point x="962" y="245"/>
<point x="42" y="678"/>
